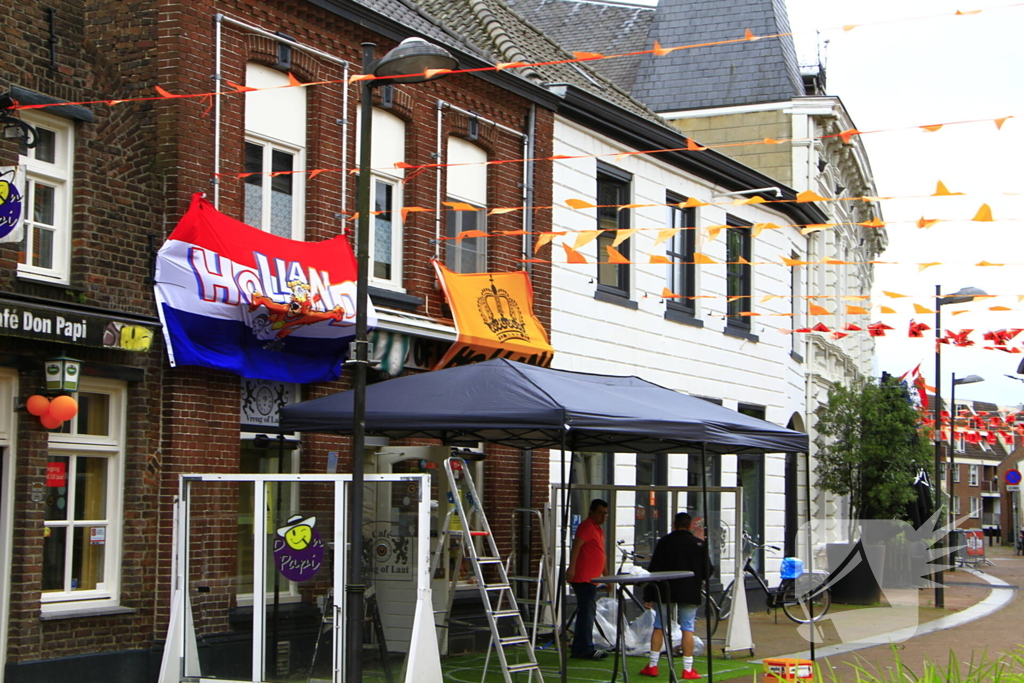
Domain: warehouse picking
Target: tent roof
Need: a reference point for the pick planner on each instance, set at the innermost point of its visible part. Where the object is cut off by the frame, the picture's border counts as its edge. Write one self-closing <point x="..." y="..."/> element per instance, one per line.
<point x="525" y="406"/>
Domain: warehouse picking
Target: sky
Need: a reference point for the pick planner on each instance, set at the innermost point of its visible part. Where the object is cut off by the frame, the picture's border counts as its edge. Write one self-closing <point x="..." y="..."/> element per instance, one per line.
<point x="936" y="68"/>
<point x="912" y="63"/>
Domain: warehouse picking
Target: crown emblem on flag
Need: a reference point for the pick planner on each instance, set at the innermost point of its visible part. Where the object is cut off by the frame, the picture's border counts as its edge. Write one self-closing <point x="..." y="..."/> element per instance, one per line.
<point x="501" y="314"/>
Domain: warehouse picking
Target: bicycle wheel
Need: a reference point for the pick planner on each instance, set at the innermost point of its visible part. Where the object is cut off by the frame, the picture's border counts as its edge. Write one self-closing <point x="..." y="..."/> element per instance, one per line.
<point x="807" y="596"/>
<point x="725" y="606"/>
<point x="700" y="625"/>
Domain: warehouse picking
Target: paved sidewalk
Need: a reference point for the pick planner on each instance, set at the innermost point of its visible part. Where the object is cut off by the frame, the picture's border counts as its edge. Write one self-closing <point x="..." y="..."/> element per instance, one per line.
<point x="999" y="629"/>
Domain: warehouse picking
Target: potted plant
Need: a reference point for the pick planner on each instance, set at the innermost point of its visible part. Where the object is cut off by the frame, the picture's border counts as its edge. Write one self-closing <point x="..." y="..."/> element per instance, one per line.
<point x="868" y="449"/>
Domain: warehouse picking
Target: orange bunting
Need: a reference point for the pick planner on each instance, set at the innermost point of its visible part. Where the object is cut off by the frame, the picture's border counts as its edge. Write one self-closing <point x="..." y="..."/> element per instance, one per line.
<point x="585" y="237"/>
<point x="894" y="295"/>
<point x="847" y="134"/>
<point x="692" y="146"/>
<point x="941" y="191"/>
<point x="701" y="258"/>
<point x="815" y="227"/>
<point x="756" y="199"/>
<point x="961" y="13"/>
<point x="542" y="239"/>
<point x="986" y="263"/>
<point x="315" y="172"/>
<point x="573" y="256"/>
<point x="873" y="223"/>
<point x="747" y="314"/>
<point x="661" y="260"/>
<point x="360" y="77"/>
<point x="623" y="235"/>
<point x="163" y="93"/>
<point x="614" y="256"/>
<point x="793" y="261"/>
<point x="856" y="310"/>
<point x="498" y="212"/>
<point x="406" y="210"/>
<point x="293" y="81"/>
<point x="665" y="235"/>
<point x="587" y="55"/>
<point x="509" y="65"/>
<point x="919" y="309"/>
<point x="809" y="196"/>
<point x="749" y="35"/>
<point x="460" y="206"/>
<point x="999" y="122"/>
<point x="999" y="308"/>
<point x="885" y="309"/>
<point x="849" y="27"/>
<point x="659" y="50"/>
<point x="667" y="293"/>
<point x="815" y="309"/>
<point x="432" y="73"/>
<point x="714" y="230"/>
<point x="771" y="141"/>
<point x="469" y="233"/>
<point x="923" y="266"/>
<point x="984" y="214"/>
<point x="923" y="222"/>
<point x="932" y="129"/>
<point x="692" y="203"/>
<point x="240" y="88"/>
<point x="579" y="204"/>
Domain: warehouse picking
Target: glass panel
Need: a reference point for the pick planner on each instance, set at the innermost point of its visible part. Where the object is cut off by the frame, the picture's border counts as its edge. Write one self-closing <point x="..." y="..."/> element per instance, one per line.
<point x="651" y="506"/>
<point x="281" y="188"/>
<point x="57" y="470"/>
<point x="46" y="146"/>
<point x="54" y="553"/>
<point x="383" y="230"/>
<point x="608" y="197"/>
<point x="750" y="477"/>
<point x="90" y="489"/>
<point x="42" y="247"/>
<point x="716" y="531"/>
<point x="469" y="255"/>
<point x="93" y="414"/>
<point x="253" y="185"/>
<point x="43" y="203"/>
<point x="87" y="558"/>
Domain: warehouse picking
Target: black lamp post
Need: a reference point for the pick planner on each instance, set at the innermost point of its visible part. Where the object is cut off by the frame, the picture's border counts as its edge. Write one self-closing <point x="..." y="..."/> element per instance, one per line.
<point x="962" y="296"/>
<point x="957" y="381"/>
<point x="410" y="62"/>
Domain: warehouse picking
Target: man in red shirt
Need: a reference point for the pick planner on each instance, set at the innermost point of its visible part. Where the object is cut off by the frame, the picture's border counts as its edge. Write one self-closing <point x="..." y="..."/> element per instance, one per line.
<point x="587" y="561"/>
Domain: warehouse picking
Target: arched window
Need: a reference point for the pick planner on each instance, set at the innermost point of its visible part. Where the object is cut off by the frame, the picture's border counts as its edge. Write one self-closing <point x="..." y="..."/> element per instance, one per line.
<point x="467" y="184"/>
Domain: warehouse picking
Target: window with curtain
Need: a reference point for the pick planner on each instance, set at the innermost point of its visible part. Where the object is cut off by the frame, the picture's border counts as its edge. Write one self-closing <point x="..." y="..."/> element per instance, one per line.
<point x="682" y="272"/>
<point x="613" y="191"/>
<point x="45" y="252"/>
<point x="81" y="528"/>
<point x="466" y="192"/>
<point x="738" y="280"/>
<point x="274" y="153"/>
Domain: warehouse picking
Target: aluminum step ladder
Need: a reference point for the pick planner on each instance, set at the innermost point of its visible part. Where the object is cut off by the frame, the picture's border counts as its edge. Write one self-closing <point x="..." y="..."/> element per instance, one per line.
<point x="465" y="527"/>
<point x="538" y="589"/>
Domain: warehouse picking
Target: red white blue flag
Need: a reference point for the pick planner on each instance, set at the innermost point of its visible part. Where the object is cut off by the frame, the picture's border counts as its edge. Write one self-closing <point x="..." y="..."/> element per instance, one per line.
<point x="239" y="299"/>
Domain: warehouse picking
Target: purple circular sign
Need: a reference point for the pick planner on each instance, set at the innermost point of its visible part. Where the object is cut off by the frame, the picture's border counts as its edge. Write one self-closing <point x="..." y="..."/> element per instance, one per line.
<point x="298" y="549"/>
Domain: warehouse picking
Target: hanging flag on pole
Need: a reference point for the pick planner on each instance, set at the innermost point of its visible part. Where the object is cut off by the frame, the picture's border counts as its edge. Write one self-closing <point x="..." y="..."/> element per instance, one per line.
<point x="239" y="299"/>
<point x="12" y="197"/>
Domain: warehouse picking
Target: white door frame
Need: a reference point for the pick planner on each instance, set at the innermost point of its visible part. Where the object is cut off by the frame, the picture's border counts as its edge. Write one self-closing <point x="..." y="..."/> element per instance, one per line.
<point x="181" y="545"/>
<point x="8" y="439"/>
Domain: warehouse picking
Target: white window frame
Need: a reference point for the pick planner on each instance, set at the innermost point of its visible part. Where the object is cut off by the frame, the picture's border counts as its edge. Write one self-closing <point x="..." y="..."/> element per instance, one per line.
<point x="956" y="506"/>
<point x="975" y="507"/>
<point x="58" y="175"/>
<point x="956" y="473"/>
<point x="113" y="447"/>
<point x="973" y="475"/>
<point x="388" y="149"/>
<point x="960" y="442"/>
<point x="467" y="180"/>
<point x="298" y="182"/>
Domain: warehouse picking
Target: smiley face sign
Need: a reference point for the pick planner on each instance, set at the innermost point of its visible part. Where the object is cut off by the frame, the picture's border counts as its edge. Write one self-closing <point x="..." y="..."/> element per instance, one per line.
<point x="299" y="549"/>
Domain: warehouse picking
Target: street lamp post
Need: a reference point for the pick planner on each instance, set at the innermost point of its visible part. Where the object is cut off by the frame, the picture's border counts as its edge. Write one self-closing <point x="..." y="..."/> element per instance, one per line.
<point x="960" y="297"/>
<point x="957" y="381"/>
<point x="413" y="61"/>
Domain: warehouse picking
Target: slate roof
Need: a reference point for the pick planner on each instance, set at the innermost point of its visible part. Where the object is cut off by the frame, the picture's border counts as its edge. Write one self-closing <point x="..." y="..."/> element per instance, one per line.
<point x="506" y="37"/>
<point x="573" y="25"/>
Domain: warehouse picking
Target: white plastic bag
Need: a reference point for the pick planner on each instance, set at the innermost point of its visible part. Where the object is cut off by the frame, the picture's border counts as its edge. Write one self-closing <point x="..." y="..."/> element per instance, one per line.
<point x="637" y="636"/>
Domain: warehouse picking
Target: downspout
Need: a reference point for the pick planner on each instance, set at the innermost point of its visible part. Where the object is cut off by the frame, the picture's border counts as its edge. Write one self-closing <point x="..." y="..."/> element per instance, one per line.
<point x="529" y="147"/>
<point x="438" y="216"/>
<point x="218" y="21"/>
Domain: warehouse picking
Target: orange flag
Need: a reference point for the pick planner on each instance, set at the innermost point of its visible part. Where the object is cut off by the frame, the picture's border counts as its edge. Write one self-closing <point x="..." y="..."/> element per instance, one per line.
<point x="691" y="203"/>
<point x="815" y="309"/>
<point x="692" y="146"/>
<point x="660" y="260"/>
<point x="809" y="196"/>
<point x="579" y="204"/>
<point x="984" y="214"/>
<point x="856" y="310"/>
<point x="659" y="50"/>
<point x="614" y="256"/>
<point x="941" y="191"/>
<point x="923" y="222"/>
<point x="667" y="293"/>
<point x="573" y="256"/>
<point x="918" y="308"/>
<point x="847" y="134"/>
<point x="701" y="258"/>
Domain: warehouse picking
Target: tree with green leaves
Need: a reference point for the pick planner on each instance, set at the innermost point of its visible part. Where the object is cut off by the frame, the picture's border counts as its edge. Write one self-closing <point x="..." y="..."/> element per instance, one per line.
<point x="869" y="447"/>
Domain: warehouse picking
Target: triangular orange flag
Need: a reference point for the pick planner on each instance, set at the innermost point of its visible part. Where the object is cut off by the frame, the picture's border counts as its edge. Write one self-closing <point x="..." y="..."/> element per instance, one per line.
<point x="585" y="237"/>
<point x="1000" y="122"/>
<point x="714" y="230"/>
<point x="815" y="309"/>
<point x="873" y="223"/>
<point x="849" y="27"/>
<point x="922" y="266"/>
<point x="999" y="308"/>
<point x="941" y="191"/>
<point x="587" y="55"/>
<point x="692" y="146"/>
<point x="749" y="200"/>
<point x="919" y="309"/>
<point x="793" y="261"/>
<point x="847" y="134"/>
<point x="509" y="65"/>
<point x="984" y="214"/>
<point x="885" y="309"/>
<point x="771" y="141"/>
<point x="623" y="235"/>
<point x="469" y="233"/>
<point x="855" y="310"/>
<point x="665" y="235"/>
<point x="701" y="258"/>
<point x="542" y="239"/>
<point x="614" y="256"/>
<point x="809" y="196"/>
<point x="923" y="222"/>
<point x="932" y="129"/>
<point x="894" y="295"/>
<point x="573" y="256"/>
<point x="314" y="173"/>
<point x="742" y="261"/>
<point x="239" y="88"/>
<point x="163" y="93"/>
<point x="294" y="82"/>
<point x="659" y="50"/>
<point x="986" y="263"/>
<point x="504" y="210"/>
<point x="432" y="73"/>
<point x="578" y="204"/>
<point x="667" y="293"/>
<point x="960" y="13"/>
<point x="406" y="210"/>
<point x="460" y="206"/>
<point x="691" y="203"/>
<point x="660" y="260"/>
<point x="361" y="77"/>
<point x="749" y="35"/>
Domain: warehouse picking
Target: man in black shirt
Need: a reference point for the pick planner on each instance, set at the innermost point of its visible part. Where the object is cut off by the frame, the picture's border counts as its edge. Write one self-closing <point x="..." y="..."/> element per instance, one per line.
<point x="680" y="550"/>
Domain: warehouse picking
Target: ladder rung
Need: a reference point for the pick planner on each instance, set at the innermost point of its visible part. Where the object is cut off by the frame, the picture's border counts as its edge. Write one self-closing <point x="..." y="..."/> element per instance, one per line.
<point x="497" y="587"/>
<point x="527" y="666"/>
<point x="514" y="640"/>
<point x="503" y="613"/>
<point x="489" y="560"/>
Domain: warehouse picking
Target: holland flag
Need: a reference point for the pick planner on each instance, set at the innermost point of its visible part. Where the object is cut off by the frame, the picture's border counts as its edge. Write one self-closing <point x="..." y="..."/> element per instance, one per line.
<point x="239" y="299"/>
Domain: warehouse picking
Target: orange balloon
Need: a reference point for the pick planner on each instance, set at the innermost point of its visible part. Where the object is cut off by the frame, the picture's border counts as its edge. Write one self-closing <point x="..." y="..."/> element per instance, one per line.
<point x="64" y="408"/>
<point x="50" y="422"/>
<point x="38" y="405"/>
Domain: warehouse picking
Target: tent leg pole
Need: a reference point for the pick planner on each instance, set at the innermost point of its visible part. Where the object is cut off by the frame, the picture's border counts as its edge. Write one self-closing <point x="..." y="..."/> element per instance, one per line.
<point x="810" y="552"/>
<point x="707" y="557"/>
<point x="560" y="594"/>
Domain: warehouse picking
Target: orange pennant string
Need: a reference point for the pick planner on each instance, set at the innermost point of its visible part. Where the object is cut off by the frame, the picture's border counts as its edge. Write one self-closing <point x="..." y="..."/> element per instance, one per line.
<point x="509" y="65"/>
<point x="665" y="235"/>
<point x="960" y="13"/>
<point x="815" y="227"/>
<point x="460" y="206"/>
<point x="885" y="309"/>
<point x="749" y="35"/>
<point x="614" y="256"/>
<point x="793" y="261"/>
<point x="293" y="81"/>
<point x="771" y="141"/>
<point x="847" y="134"/>
<point x="659" y="50"/>
<point x="623" y="235"/>
<point x="849" y="27"/>
<point x="543" y="239"/>
<point x="701" y="258"/>
<point x="941" y="191"/>
<point x="692" y="146"/>
<point x="163" y="93"/>
<point x="585" y="237"/>
<point x="894" y="295"/>
<point x="923" y="266"/>
<point x="498" y="212"/>
<point x="920" y="310"/>
<point x="986" y="263"/>
<point x="584" y="56"/>
<point x="742" y="261"/>
<point x="691" y="203"/>
<point x="432" y="73"/>
<point x="667" y="293"/>
<point x="984" y="214"/>
<point x="510" y="233"/>
<point x="360" y="77"/>
<point x="999" y="308"/>
<point x="573" y="256"/>
<point x="314" y="173"/>
<point x="661" y="260"/>
<point x="815" y="309"/>
<point x="999" y="122"/>
<point x="579" y="204"/>
<point x="873" y="223"/>
<point x="923" y="222"/>
<point x="469" y="233"/>
<point x="757" y="199"/>
<point x="856" y="310"/>
<point x="406" y="210"/>
<point x="239" y="88"/>
<point x="809" y="196"/>
<point x="932" y="129"/>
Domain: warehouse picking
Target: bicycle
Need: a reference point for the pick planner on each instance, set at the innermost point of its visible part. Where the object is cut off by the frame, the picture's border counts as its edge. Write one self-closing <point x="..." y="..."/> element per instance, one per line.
<point x="798" y="598"/>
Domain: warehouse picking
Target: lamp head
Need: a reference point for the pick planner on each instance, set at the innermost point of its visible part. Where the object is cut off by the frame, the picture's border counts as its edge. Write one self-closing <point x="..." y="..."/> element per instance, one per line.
<point x="961" y="297"/>
<point x="969" y="379"/>
<point x="409" y="62"/>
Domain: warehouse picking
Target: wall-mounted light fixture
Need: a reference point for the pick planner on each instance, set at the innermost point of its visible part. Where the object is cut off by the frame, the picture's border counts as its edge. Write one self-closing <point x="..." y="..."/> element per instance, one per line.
<point x="62" y="373"/>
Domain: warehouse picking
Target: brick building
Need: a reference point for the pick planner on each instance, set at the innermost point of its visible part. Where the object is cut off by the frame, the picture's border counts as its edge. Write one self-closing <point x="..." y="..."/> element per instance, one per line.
<point x="87" y="509"/>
